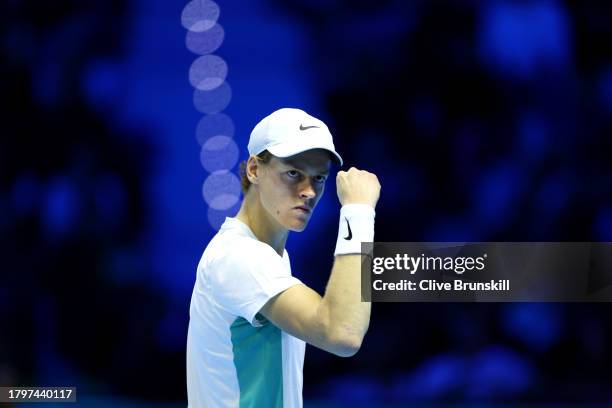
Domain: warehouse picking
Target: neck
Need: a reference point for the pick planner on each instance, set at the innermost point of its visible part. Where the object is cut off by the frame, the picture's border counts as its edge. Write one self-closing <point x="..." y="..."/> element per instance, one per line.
<point x="263" y="225"/>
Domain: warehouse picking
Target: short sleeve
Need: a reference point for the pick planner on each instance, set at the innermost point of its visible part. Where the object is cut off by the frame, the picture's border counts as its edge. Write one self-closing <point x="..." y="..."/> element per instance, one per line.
<point x="247" y="276"/>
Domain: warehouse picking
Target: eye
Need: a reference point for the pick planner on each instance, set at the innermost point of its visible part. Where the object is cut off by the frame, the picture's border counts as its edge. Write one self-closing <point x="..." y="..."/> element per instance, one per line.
<point x="293" y="174"/>
<point x="320" y="179"/>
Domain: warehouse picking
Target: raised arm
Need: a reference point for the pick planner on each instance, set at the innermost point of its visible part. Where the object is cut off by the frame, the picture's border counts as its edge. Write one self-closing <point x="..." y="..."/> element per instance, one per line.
<point x="338" y="321"/>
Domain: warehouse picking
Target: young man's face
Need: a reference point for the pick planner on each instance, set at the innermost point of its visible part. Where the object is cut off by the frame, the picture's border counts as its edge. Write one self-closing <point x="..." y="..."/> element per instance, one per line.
<point x="291" y="188"/>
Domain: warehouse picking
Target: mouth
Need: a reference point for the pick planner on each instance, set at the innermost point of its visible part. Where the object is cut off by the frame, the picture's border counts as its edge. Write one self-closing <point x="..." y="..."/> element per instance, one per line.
<point x="304" y="209"/>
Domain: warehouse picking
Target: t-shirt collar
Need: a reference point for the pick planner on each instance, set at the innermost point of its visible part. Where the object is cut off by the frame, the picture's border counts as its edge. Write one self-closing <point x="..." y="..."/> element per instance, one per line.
<point x="233" y="222"/>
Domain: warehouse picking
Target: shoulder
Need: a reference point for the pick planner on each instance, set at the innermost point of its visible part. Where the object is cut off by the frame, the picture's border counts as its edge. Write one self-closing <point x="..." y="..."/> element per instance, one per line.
<point x="239" y="259"/>
<point x="238" y="249"/>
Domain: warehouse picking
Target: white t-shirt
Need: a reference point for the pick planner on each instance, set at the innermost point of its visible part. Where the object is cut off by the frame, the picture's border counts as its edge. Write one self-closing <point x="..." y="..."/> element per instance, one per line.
<point x="235" y="357"/>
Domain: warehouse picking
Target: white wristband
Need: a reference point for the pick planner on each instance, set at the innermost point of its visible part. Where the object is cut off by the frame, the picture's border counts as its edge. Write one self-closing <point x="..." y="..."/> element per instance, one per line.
<point x="356" y="226"/>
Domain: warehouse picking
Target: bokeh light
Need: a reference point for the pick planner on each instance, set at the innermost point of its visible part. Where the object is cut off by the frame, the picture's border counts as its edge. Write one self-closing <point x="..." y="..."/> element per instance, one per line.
<point x="214" y="132"/>
<point x="221" y="190"/>
<point x="517" y="38"/>
<point x="207" y="72"/>
<point x="219" y="153"/>
<point x="213" y="101"/>
<point x="200" y="15"/>
<point x="498" y="371"/>
<point x="102" y="83"/>
<point x="62" y="207"/>
<point x="537" y="325"/>
<point x="205" y="42"/>
<point x="214" y="125"/>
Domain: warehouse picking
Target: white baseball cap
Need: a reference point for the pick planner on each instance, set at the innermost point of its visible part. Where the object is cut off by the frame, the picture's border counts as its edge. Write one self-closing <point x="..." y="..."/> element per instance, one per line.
<point x="289" y="131"/>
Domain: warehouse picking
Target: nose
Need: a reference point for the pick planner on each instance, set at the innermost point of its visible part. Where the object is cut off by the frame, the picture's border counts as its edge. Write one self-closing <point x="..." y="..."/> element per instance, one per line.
<point x="307" y="190"/>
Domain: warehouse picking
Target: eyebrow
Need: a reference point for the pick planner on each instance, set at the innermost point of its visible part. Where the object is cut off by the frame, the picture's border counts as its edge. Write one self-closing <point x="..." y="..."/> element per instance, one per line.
<point x="288" y="164"/>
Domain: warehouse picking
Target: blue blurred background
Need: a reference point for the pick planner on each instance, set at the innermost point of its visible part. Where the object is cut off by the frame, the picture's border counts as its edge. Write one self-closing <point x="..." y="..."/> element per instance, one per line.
<point x="485" y="121"/>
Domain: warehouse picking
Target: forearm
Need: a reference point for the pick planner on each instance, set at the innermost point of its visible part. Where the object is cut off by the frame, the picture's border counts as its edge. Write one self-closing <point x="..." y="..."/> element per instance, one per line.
<point x="346" y="315"/>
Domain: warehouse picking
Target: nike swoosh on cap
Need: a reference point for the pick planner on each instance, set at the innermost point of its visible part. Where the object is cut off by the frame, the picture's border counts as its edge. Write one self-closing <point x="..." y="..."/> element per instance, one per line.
<point x="302" y="127"/>
<point x="350" y="234"/>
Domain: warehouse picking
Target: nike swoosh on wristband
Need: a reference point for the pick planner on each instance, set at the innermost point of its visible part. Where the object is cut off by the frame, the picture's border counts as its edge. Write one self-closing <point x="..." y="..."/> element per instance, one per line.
<point x="350" y="234"/>
<point x="302" y="127"/>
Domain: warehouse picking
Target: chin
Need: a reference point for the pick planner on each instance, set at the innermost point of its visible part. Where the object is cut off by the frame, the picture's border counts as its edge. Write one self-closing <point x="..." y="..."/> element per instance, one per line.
<point x="296" y="225"/>
<point x="299" y="229"/>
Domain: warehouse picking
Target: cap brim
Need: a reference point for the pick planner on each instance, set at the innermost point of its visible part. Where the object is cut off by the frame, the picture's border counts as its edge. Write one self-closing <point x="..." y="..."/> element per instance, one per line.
<point x="288" y="151"/>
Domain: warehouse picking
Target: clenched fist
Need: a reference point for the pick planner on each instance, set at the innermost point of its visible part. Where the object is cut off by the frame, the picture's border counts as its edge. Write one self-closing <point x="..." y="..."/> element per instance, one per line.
<point x="357" y="187"/>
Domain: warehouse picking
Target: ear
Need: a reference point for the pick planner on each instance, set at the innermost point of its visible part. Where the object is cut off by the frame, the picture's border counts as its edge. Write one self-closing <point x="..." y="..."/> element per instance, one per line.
<point x="252" y="169"/>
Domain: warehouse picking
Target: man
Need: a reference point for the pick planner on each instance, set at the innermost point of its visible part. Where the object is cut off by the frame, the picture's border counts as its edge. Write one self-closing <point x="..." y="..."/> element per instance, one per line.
<point x="249" y="316"/>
